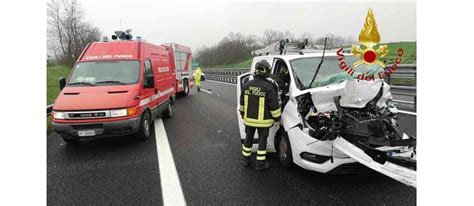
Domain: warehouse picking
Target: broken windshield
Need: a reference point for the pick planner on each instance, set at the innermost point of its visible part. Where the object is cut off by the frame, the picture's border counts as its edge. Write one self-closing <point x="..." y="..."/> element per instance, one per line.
<point x="329" y="72"/>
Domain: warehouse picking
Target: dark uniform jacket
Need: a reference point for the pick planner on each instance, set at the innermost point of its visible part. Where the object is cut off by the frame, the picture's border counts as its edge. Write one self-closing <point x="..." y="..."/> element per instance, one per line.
<point x="259" y="104"/>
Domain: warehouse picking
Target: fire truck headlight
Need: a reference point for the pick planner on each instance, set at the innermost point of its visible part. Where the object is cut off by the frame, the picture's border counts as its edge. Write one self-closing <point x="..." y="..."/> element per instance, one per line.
<point x="58" y="115"/>
<point x="118" y="113"/>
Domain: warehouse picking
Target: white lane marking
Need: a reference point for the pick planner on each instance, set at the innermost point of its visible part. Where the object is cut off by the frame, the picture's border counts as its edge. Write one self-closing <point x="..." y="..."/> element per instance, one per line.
<point x="407" y="112"/>
<point x="221" y="82"/>
<point x="209" y="92"/>
<point x="403" y="101"/>
<point x="170" y="185"/>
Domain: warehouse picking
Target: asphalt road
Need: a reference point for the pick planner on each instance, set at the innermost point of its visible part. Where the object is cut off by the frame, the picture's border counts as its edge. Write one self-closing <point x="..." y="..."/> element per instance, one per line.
<point x="204" y="140"/>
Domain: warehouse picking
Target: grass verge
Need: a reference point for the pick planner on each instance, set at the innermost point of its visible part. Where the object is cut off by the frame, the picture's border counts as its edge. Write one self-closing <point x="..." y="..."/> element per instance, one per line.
<point x="53" y="74"/>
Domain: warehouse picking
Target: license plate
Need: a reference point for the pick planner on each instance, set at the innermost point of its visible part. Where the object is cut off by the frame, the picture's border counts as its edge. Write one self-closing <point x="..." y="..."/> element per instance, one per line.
<point x="86" y="133"/>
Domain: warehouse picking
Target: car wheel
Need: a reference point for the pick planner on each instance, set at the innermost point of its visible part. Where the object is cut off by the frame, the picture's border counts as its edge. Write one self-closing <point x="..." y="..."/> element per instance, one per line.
<point x="284" y="149"/>
<point x="145" y="129"/>
<point x="168" y="112"/>
<point x="72" y="141"/>
<point x="186" y="87"/>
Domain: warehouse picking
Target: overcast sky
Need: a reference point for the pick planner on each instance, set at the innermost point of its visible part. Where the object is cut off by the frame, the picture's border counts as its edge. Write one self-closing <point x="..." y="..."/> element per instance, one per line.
<point x="196" y="24"/>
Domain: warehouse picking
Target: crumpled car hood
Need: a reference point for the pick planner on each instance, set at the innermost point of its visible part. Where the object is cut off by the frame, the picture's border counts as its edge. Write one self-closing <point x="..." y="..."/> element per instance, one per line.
<point x="354" y="94"/>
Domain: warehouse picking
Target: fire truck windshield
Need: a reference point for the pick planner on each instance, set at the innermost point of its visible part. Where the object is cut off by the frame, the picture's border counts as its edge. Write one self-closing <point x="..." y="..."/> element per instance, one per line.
<point x="105" y="73"/>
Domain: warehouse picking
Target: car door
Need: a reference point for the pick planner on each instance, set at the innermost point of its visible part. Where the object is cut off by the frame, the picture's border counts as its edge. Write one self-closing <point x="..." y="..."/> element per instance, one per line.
<point x="241" y="80"/>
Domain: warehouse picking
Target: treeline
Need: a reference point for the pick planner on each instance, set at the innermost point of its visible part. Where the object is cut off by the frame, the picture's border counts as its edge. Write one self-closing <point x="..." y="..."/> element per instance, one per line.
<point x="236" y="47"/>
<point x="68" y="32"/>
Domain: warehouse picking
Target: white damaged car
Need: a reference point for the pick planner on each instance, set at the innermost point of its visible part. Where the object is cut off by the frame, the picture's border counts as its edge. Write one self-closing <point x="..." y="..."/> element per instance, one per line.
<point x="334" y="120"/>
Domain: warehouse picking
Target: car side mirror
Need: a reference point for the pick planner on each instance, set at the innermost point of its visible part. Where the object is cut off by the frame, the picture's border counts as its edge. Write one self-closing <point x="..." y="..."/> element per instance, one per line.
<point x="62" y="83"/>
<point x="150" y="81"/>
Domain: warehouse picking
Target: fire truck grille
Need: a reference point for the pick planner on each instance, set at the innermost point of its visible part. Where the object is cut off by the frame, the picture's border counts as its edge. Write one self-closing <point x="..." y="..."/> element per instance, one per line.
<point x="87" y="115"/>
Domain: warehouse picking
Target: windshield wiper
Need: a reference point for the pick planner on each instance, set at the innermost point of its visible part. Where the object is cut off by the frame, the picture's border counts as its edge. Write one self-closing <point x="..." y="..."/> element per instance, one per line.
<point x="85" y="83"/>
<point x="110" y="81"/>
<point x="320" y="63"/>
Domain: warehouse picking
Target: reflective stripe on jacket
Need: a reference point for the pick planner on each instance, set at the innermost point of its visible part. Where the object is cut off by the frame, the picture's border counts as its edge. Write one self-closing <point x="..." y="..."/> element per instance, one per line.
<point x="259" y="104"/>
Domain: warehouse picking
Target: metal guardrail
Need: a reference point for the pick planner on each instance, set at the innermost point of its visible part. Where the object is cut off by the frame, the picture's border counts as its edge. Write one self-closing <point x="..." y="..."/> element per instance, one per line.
<point x="49" y="110"/>
<point x="404" y="71"/>
<point x="228" y="75"/>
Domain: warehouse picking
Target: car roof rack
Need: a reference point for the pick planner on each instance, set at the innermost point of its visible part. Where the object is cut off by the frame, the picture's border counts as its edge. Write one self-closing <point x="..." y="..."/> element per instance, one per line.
<point x="287" y="47"/>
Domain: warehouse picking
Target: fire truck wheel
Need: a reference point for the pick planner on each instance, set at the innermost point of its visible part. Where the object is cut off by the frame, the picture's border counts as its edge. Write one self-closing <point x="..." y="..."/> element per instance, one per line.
<point x="145" y="129"/>
<point x="186" y="87"/>
<point x="72" y="141"/>
<point x="168" y="112"/>
<point x="284" y="149"/>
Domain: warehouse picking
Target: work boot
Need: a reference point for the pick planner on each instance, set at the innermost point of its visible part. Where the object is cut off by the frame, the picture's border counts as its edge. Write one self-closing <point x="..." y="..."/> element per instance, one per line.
<point x="261" y="165"/>
<point x="245" y="161"/>
<point x="199" y="89"/>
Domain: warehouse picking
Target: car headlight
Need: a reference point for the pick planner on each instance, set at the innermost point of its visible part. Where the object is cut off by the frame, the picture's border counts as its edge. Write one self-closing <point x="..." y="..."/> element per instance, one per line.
<point x="118" y="113"/>
<point x="58" y="115"/>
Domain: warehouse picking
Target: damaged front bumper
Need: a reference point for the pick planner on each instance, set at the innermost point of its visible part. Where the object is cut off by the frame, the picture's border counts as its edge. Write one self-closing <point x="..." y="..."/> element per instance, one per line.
<point x="314" y="155"/>
<point x="397" y="172"/>
<point x="352" y="121"/>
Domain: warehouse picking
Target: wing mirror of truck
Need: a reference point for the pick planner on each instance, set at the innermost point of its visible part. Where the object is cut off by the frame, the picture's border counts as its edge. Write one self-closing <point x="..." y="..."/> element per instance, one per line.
<point x="150" y="81"/>
<point x="62" y="83"/>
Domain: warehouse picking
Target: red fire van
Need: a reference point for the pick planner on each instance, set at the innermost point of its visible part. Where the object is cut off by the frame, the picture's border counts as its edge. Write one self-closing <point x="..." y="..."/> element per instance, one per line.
<point x="118" y="88"/>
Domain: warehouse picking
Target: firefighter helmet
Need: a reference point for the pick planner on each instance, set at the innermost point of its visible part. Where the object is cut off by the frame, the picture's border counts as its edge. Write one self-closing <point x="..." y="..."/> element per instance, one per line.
<point x="262" y="68"/>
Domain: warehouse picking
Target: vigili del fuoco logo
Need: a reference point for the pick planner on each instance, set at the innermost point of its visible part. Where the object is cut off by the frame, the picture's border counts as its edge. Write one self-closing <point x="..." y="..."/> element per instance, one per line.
<point x="369" y="67"/>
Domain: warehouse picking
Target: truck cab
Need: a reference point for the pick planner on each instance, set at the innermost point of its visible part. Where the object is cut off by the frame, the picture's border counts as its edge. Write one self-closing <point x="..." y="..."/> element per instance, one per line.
<point x="115" y="88"/>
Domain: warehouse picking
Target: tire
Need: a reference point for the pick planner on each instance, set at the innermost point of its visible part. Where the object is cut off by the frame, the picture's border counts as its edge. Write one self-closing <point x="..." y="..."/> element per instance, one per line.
<point x="186" y="87"/>
<point x="284" y="152"/>
<point x="72" y="141"/>
<point x="168" y="112"/>
<point x="145" y="129"/>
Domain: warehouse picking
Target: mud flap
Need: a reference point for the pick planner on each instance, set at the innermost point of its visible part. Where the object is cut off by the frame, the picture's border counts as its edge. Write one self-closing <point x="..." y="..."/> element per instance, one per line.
<point x="399" y="173"/>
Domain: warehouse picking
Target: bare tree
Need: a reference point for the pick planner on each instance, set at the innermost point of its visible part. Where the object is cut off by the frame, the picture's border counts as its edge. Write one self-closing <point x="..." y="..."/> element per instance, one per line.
<point x="236" y="47"/>
<point x="68" y="33"/>
<point x="335" y="41"/>
<point x="271" y="36"/>
<point x="251" y="42"/>
<point x="288" y="35"/>
<point x="233" y="48"/>
<point x="306" y="35"/>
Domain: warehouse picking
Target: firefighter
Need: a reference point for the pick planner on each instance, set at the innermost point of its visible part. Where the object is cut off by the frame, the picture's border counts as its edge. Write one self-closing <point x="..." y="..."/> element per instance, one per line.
<point x="260" y="110"/>
<point x="197" y="78"/>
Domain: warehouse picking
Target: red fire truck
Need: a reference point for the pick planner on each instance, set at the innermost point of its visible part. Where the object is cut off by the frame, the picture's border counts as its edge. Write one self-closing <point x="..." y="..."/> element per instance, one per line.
<point x="119" y="87"/>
